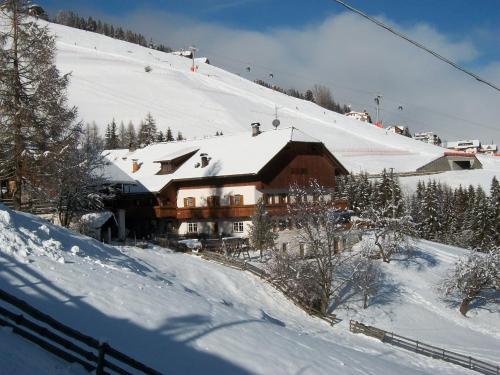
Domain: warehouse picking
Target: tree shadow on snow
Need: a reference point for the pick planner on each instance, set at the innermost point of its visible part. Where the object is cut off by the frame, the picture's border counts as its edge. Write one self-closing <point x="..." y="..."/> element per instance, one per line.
<point x="164" y="349"/>
<point x="387" y="291"/>
<point x="417" y="259"/>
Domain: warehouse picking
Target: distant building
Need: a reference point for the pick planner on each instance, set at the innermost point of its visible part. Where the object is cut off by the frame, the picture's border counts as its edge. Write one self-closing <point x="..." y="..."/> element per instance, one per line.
<point x="428" y="137"/>
<point x="473" y="146"/>
<point x="398" y="129"/>
<point x="470" y="145"/>
<point x="188" y="54"/>
<point x="489" y="149"/>
<point x="361" y="116"/>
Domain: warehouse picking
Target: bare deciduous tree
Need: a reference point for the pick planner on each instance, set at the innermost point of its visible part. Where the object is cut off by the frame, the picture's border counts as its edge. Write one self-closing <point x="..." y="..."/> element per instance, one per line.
<point x="320" y="226"/>
<point x="474" y="277"/>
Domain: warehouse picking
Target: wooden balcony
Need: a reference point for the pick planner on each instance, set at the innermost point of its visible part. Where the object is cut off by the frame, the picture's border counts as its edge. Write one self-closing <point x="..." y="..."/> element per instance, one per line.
<point x="165" y="212"/>
<point x="186" y="213"/>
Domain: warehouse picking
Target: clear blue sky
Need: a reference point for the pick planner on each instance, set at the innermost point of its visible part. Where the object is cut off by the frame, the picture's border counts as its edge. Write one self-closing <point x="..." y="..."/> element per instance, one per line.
<point x="475" y="19"/>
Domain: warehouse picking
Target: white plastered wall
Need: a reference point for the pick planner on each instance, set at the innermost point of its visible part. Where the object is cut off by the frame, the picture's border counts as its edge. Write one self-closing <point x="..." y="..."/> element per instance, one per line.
<point x="249" y="192"/>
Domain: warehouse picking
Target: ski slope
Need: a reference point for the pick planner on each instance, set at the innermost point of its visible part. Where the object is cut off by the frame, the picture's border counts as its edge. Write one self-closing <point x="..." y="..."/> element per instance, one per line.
<point x="108" y="81"/>
<point x="184" y="315"/>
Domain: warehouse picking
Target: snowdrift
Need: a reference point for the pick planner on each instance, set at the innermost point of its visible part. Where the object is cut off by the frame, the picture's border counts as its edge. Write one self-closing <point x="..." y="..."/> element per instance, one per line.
<point x="181" y="314"/>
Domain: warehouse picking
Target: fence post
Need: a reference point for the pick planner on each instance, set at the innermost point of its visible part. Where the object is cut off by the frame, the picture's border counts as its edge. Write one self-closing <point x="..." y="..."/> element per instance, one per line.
<point x="470" y="362"/>
<point x="417" y="346"/>
<point x="100" y="358"/>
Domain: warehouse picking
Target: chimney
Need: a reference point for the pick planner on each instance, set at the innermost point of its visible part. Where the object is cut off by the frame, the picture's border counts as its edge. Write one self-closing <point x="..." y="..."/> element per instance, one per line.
<point x="204" y="160"/>
<point x="255" y="129"/>
<point x="135" y="165"/>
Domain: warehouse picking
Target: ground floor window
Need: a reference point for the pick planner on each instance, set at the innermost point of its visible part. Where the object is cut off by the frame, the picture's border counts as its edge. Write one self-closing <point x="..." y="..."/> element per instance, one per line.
<point x="238" y="227"/>
<point x="192" y="227"/>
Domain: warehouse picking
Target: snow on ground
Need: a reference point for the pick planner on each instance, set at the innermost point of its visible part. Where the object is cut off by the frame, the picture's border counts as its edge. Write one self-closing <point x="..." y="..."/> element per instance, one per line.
<point x="181" y="314"/>
<point x="108" y="80"/>
<point x="20" y="357"/>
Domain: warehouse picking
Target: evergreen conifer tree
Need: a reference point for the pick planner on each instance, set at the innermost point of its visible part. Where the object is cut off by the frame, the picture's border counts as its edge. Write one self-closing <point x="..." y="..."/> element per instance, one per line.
<point x="261" y="233"/>
<point x="169" y="137"/>
<point x="35" y="120"/>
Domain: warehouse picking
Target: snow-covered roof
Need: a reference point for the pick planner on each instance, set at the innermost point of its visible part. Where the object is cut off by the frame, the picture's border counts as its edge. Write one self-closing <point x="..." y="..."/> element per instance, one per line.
<point x="464" y="144"/>
<point x="96" y="220"/>
<point x="239" y="154"/>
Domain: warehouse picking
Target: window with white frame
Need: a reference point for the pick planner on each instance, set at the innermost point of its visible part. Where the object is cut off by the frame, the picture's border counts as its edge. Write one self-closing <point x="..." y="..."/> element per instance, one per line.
<point x="238" y="227"/>
<point x="192" y="227"/>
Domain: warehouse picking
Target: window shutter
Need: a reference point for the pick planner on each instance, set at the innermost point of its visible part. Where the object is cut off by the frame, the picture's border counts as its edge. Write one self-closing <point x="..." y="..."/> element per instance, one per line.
<point x="241" y="200"/>
<point x="231" y="200"/>
<point x="194" y="202"/>
<point x="185" y="202"/>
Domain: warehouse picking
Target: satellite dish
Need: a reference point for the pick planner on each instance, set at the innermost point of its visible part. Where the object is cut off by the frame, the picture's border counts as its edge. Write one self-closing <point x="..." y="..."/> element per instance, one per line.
<point x="276" y="123"/>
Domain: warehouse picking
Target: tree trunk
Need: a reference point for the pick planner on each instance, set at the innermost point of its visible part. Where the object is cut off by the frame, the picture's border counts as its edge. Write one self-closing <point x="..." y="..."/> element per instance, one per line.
<point x="464" y="306"/>
<point x="18" y="144"/>
<point x="365" y="300"/>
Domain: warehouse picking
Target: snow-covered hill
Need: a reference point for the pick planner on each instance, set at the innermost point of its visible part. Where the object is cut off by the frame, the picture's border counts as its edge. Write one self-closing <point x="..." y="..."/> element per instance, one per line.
<point x="109" y="80"/>
<point x="184" y="315"/>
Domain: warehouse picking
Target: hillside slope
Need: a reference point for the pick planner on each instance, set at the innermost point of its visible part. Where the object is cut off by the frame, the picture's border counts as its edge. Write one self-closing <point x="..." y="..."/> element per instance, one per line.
<point x="181" y="314"/>
<point x="108" y="80"/>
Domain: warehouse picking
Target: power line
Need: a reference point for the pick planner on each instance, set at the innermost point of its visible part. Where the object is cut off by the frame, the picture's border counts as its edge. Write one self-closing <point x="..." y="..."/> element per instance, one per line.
<point x="419" y="45"/>
<point x="346" y="99"/>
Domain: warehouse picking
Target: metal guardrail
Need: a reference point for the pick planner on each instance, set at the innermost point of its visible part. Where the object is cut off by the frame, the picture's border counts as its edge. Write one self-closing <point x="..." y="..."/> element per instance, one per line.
<point x="66" y="342"/>
<point x="425" y="349"/>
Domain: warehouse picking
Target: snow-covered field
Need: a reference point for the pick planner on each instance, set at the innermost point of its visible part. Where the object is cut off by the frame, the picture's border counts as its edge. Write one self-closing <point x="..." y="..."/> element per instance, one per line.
<point x="184" y="315"/>
<point x="108" y="80"/>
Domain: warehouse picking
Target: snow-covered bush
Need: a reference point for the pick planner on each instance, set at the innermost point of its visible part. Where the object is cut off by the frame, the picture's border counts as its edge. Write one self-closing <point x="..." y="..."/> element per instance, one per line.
<point x="475" y="276"/>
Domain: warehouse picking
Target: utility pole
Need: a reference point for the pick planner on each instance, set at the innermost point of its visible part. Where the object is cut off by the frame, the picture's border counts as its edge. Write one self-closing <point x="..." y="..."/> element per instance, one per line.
<point x="193" y="49"/>
<point x="377" y="102"/>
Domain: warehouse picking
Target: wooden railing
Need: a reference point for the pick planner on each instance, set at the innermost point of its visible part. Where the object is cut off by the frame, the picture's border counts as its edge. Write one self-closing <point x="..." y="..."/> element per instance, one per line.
<point x="245" y="266"/>
<point x="66" y="342"/>
<point x="425" y="349"/>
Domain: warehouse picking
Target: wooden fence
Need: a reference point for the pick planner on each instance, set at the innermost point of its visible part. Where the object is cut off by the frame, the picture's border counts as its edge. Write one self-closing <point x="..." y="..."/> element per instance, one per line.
<point x="245" y="266"/>
<point x="425" y="349"/>
<point x="66" y="342"/>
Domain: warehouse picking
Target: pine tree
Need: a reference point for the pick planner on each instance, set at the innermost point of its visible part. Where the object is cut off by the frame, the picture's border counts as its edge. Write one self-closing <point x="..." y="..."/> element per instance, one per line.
<point x="261" y="233"/>
<point x="169" y="137"/>
<point x="160" y="137"/>
<point x="147" y="132"/>
<point x="482" y="231"/>
<point x="111" y="138"/>
<point x="495" y="210"/>
<point x="431" y="224"/>
<point x="122" y="136"/>
<point x="130" y="138"/>
<point x="179" y="136"/>
<point x="35" y="120"/>
<point x="309" y="96"/>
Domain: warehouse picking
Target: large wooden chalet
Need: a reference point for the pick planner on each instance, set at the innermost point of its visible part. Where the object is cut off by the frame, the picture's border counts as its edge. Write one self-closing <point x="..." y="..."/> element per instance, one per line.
<point x="210" y="186"/>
